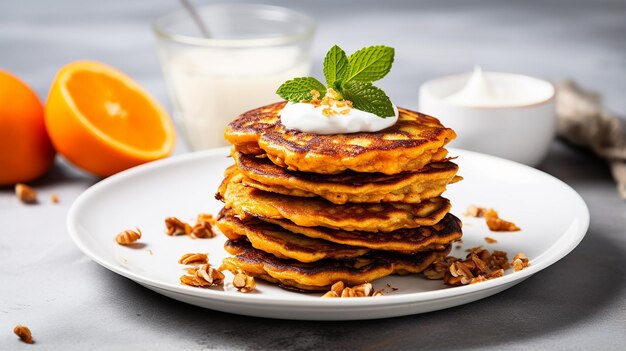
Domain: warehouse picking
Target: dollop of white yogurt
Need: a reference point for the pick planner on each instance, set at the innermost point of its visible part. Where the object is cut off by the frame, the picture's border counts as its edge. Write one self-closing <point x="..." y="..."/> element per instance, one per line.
<point x="309" y="118"/>
<point x="493" y="89"/>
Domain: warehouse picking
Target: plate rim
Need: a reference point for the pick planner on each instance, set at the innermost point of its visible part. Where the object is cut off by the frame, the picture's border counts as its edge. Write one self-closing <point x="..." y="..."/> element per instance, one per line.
<point x="391" y="300"/>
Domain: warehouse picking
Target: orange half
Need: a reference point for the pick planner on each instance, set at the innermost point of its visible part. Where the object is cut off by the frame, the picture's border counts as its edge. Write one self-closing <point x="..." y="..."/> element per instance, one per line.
<point x="103" y="121"/>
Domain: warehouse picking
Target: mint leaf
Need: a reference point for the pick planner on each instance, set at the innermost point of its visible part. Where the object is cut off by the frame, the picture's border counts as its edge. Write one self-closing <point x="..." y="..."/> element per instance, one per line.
<point x="368" y="98"/>
<point x="299" y="89"/>
<point x="335" y="65"/>
<point x="370" y="64"/>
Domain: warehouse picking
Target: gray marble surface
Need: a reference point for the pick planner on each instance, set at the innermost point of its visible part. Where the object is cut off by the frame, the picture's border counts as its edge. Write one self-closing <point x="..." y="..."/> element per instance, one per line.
<point x="72" y="303"/>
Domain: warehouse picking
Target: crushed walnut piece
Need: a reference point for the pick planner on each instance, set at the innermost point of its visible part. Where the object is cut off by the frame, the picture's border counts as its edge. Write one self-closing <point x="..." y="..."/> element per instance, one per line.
<point x="520" y="261"/>
<point x="194" y="258"/>
<point x="203" y="227"/>
<point x="25" y="193"/>
<point x="438" y="268"/>
<point x="479" y="265"/>
<point x="494" y="222"/>
<point x="174" y="226"/>
<point x="244" y="282"/>
<point x="23" y="333"/>
<point x="339" y="289"/>
<point x="497" y="224"/>
<point x="475" y="211"/>
<point x="203" y="276"/>
<point x="490" y="240"/>
<point x="128" y="237"/>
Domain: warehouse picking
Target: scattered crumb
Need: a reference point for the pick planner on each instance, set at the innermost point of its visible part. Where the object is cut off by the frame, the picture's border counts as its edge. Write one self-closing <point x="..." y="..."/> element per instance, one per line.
<point x="23" y="333"/>
<point x="54" y="198"/>
<point x="458" y="247"/>
<point x="25" y="193"/>
<point x="491" y="240"/>
<point x="150" y="252"/>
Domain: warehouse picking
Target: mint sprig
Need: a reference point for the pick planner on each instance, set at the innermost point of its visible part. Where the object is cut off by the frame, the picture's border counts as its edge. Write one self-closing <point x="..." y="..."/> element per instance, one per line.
<point x="368" y="98"/>
<point x="299" y="89"/>
<point x="370" y="64"/>
<point x="335" y="66"/>
<point x="351" y="77"/>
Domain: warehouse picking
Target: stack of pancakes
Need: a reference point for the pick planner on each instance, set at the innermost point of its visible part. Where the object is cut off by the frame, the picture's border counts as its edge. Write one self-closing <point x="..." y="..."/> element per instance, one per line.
<point x="307" y="210"/>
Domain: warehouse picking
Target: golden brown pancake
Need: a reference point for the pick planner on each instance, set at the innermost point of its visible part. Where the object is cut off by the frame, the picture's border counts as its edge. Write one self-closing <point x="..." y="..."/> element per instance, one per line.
<point x="322" y="274"/>
<point x="433" y="237"/>
<point x="411" y="143"/>
<point x="311" y="212"/>
<point x="349" y="186"/>
<point x="282" y="243"/>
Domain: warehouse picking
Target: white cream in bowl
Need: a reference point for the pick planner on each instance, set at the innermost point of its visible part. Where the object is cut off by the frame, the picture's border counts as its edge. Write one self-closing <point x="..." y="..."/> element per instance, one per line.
<point x="502" y="114"/>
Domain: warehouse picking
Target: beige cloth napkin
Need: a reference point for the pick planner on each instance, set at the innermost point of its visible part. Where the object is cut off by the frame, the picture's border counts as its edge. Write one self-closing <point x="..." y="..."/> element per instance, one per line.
<point x="582" y="120"/>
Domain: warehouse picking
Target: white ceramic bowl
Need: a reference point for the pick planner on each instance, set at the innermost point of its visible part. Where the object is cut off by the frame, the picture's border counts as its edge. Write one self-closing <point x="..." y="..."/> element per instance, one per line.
<point x="521" y="132"/>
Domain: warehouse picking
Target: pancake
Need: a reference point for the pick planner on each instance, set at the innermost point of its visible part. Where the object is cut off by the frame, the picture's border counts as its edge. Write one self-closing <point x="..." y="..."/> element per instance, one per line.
<point x="433" y="237"/>
<point x="311" y="212"/>
<point x="411" y="143"/>
<point x="349" y="186"/>
<point x="322" y="274"/>
<point x="282" y="243"/>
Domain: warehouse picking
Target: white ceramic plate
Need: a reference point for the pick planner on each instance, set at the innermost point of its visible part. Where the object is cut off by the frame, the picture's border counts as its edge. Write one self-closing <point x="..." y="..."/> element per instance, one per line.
<point x="184" y="186"/>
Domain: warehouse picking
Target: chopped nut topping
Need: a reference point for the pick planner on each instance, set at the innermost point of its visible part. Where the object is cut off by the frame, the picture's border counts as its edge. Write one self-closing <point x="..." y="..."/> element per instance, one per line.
<point x="363" y="289"/>
<point x="330" y="294"/>
<point x="348" y="292"/>
<point x="520" y="261"/>
<point x="203" y="276"/>
<point x="474" y="211"/>
<point x="204" y="226"/>
<point x="23" y="333"/>
<point x="128" y="237"/>
<point x="480" y="265"/>
<point x="25" y="193"/>
<point x="494" y="222"/>
<point x="498" y="224"/>
<point x="330" y="103"/>
<point x="377" y="293"/>
<point x="491" y="240"/>
<point x="54" y="198"/>
<point x="438" y="268"/>
<point x="202" y="229"/>
<point x="175" y="226"/>
<point x="194" y="258"/>
<point x="315" y="94"/>
<point x="244" y="282"/>
<point x="339" y="289"/>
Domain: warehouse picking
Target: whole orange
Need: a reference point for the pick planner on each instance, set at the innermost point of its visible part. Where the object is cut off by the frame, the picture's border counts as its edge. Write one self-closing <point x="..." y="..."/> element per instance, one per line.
<point x="25" y="149"/>
<point x="102" y="121"/>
